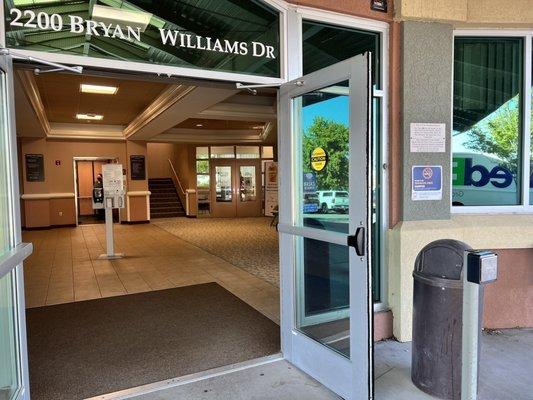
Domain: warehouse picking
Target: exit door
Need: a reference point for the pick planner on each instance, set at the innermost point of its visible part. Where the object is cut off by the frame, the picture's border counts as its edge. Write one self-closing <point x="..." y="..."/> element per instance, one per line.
<point x="325" y="253"/>
<point x="236" y="188"/>
<point x="14" y="382"/>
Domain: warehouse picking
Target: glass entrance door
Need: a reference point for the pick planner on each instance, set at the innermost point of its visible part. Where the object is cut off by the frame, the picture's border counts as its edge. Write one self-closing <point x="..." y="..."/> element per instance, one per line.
<point x="324" y="223"/>
<point x="223" y="193"/>
<point x="249" y="188"/>
<point x="13" y="357"/>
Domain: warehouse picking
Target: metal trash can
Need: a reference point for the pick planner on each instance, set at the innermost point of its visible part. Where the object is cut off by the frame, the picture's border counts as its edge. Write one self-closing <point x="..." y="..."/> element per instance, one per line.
<point x="437" y="319"/>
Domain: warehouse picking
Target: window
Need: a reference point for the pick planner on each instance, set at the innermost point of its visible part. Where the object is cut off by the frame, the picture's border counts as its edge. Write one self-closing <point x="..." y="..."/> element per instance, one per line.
<point x="248" y="152"/>
<point x="488" y="123"/>
<point x="222" y="152"/>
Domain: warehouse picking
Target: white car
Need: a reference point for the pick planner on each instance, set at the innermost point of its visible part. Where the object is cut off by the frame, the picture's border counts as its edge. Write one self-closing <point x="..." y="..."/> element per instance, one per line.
<point x="333" y="200"/>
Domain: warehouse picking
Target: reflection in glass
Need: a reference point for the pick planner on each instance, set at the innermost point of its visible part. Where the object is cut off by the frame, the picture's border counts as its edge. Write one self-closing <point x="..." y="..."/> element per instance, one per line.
<point x="8" y="344"/>
<point x="247" y="183"/>
<point x="9" y="348"/>
<point x="487" y="121"/>
<point x="223" y="184"/>
<point x="325" y="130"/>
<point x="221" y="35"/>
<point x="325" y="45"/>
<point x="323" y="301"/>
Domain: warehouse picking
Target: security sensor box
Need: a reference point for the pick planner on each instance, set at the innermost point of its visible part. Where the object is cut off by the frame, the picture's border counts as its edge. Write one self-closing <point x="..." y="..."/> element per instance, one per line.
<point x="482" y="267"/>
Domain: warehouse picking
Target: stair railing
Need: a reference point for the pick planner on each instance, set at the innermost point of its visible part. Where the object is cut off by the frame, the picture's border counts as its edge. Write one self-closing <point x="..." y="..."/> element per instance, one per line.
<point x="176" y="179"/>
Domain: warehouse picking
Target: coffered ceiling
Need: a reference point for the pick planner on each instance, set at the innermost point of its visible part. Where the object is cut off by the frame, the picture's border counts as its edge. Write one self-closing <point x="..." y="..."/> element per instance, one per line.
<point x="48" y="105"/>
<point x="62" y="98"/>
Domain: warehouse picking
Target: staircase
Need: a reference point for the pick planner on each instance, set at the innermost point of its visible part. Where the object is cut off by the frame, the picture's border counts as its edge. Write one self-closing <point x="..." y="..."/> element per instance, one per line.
<point x="164" y="201"/>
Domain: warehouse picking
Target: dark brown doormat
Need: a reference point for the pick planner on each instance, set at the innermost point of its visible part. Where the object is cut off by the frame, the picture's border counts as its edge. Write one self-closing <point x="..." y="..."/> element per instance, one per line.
<point x="89" y="348"/>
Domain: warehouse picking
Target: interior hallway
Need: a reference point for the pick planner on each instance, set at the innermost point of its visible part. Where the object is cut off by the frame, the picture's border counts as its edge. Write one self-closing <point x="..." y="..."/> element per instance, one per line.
<point x="64" y="267"/>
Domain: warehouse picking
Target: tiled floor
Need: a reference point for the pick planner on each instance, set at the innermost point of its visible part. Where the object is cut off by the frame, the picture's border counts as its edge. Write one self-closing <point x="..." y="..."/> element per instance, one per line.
<point x="64" y="267"/>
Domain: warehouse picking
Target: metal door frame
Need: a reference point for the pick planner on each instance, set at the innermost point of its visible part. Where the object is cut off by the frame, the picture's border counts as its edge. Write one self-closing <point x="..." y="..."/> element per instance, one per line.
<point x="12" y="260"/>
<point x="352" y="379"/>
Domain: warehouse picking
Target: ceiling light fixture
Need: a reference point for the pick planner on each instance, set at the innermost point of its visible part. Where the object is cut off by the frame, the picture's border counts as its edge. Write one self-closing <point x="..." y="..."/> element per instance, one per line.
<point x="90" y="117"/>
<point x="199" y="125"/>
<point x="258" y="127"/>
<point x="98" y="89"/>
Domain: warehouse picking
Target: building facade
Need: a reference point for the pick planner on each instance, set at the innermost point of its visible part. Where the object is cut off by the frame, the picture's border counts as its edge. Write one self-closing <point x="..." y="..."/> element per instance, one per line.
<point x="450" y="89"/>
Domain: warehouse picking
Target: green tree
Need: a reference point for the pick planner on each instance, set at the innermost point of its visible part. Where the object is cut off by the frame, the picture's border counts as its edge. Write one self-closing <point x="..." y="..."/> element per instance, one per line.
<point x="500" y="137"/>
<point x="333" y="138"/>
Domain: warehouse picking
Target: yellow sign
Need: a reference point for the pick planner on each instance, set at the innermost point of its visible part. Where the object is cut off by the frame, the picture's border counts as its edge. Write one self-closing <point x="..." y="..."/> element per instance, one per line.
<point x="319" y="159"/>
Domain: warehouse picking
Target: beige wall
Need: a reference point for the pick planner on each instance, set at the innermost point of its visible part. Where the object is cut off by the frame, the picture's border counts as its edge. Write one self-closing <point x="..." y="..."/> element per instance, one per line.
<point x="179" y="154"/>
<point x="59" y="178"/>
<point x="495" y="12"/>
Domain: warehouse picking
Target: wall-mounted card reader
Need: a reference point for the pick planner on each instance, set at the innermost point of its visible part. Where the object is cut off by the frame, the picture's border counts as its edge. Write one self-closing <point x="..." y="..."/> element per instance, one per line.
<point x="482" y="267"/>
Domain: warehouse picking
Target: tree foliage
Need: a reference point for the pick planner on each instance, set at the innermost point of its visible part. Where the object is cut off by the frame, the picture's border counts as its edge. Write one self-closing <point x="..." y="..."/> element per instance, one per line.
<point x="500" y="137"/>
<point x="333" y="137"/>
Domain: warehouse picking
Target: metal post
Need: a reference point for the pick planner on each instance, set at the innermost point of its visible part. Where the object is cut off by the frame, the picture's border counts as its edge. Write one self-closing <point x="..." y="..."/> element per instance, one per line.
<point x="470" y="343"/>
<point x="109" y="237"/>
<point x="109" y="232"/>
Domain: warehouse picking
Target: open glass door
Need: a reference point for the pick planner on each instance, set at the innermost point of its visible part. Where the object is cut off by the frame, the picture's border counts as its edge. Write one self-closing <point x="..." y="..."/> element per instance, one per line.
<point x="324" y="222"/>
<point x="13" y="353"/>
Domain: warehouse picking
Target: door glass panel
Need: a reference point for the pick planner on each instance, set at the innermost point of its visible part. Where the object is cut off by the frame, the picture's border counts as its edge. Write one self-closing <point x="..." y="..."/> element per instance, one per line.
<point x="324" y="130"/>
<point x="247" y="183"/>
<point x="9" y="350"/>
<point x="323" y="301"/>
<point x="8" y="344"/>
<point x="223" y="184"/>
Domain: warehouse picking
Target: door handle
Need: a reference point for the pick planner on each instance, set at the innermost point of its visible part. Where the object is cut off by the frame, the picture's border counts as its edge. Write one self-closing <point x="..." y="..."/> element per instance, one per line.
<point x="357" y="241"/>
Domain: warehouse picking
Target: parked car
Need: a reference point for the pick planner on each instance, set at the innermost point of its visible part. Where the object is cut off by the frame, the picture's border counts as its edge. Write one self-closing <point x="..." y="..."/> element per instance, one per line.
<point x="333" y="200"/>
<point x="311" y="203"/>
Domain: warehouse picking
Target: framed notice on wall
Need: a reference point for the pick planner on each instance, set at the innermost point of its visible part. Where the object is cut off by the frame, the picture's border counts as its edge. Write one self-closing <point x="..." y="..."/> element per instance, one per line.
<point x="34" y="167"/>
<point x="138" y="168"/>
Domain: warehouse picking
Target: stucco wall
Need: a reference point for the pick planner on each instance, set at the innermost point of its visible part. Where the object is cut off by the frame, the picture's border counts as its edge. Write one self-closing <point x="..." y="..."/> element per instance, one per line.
<point x="514" y="290"/>
<point x="515" y="12"/>
<point x="426" y="97"/>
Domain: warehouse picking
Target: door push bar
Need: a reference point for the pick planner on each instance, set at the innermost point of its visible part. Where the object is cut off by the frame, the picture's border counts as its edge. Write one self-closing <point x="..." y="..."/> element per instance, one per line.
<point x="357" y="241"/>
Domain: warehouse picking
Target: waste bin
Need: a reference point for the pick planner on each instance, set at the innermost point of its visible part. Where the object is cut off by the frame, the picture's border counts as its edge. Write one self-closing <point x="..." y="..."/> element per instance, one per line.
<point x="437" y="319"/>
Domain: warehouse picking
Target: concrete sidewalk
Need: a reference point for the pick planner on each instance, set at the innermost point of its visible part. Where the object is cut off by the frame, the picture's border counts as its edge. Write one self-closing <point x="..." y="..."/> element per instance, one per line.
<point x="506" y="373"/>
<point x="506" y="368"/>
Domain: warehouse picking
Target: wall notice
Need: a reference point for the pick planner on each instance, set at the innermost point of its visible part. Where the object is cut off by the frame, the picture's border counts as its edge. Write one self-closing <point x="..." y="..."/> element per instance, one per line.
<point x="426" y="183"/>
<point x="428" y="138"/>
<point x="34" y="167"/>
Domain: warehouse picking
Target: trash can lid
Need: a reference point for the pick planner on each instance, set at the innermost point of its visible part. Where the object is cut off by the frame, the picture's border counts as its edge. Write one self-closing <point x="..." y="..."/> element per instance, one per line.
<point x="442" y="259"/>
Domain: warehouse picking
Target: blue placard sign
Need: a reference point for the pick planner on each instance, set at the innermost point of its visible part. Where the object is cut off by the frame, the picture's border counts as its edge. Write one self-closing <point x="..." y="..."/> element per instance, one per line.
<point x="309" y="182"/>
<point x="426" y="183"/>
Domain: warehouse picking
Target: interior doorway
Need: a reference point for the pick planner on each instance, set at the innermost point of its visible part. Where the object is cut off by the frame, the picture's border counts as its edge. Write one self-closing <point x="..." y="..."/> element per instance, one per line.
<point x="237" y="189"/>
<point x="86" y="173"/>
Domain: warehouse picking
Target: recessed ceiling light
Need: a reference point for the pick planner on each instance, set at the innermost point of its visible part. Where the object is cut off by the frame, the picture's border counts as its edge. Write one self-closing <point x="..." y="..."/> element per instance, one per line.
<point x="90" y="117"/>
<point x="98" y="89"/>
<point x="199" y="125"/>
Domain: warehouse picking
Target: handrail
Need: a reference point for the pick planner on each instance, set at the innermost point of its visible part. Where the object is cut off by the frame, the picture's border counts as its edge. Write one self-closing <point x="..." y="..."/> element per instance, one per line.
<point x="176" y="176"/>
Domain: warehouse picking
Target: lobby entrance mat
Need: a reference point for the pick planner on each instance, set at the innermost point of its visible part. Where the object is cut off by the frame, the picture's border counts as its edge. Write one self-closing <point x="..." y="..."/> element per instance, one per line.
<point x="89" y="348"/>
